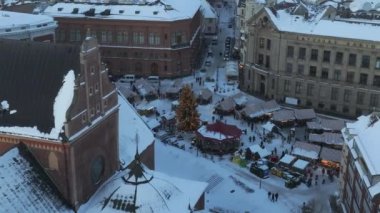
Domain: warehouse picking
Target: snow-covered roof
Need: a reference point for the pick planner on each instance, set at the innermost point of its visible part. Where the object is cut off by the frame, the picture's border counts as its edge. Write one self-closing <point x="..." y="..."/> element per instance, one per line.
<point x="164" y="10"/>
<point x="219" y="131"/>
<point x="169" y="115"/>
<point x="268" y="126"/>
<point x="133" y="124"/>
<point x="240" y="99"/>
<point x="12" y="22"/>
<point x="144" y="87"/>
<point x="300" y="164"/>
<point x="315" y="25"/>
<point x="364" y="5"/>
<point x="283" y="115"/>
<point x="257" y="110"/>
<point x="365" y="133"/>
<point x="207" y="10"/>
<point x="327" y="138"/>
<point x="227" y="104"/>
<point x="162" y="194"/>
<point x="261" y="151"/>
<point x="326" y="124"/>
<point x="232" y="69"/>
<point x="331" y="154"/>
<point x="287" y="159"/>
<point x="306" y="150"/>
<point x="304" y="114"/>
<point x="151" y="122"/>
<point x="23" y="189"/>
<point x="205" y="94"/>
<point x="62" y="103"/>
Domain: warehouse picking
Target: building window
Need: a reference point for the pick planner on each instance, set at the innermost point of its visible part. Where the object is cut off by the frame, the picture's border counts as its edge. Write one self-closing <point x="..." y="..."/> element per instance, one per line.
<point x="75" y="35"/>
<point x="334" y="93"/>
<point x="302" y="53"/>
<point x="377" y="64"/>
<point x="314" y="55"/>
<point x="154" y="39"/>
<point x="365" y="61"/>
<point x="97" y="169"/>
<point x="138" y="38"/>
<point x="352" y="59"/>
<point x="313" y="71"/>
<point x="310" y="89"/>
<point x="96" y="87"/>
<point x="84" y="118"/>
<point x="97" y="108"/>
<point x="91" y="91"/>
<point x="309" y="103"/>
<point x="261" y="42"/>
<point x="300" y="69"/>
<point x="363" y="78"/>
<point x="273" y="83"/>
<point x="321" y="105"/>
<point x="261" y="59"/>
<point x="346" y="109"/>
<point x="374" y="100"/>
<point x="347" y="95"/>
<point x="338" y="58"/>
<point x="333" y="107"/>
<point x="287" y="85"/>
<point x="268" y="44"/>
<point x="290" y="52"/>
<point x="337" y="74"/>
<point x="376" y="81"/>
<point x="360" y="97"/>
<point x="267" y="61"/>
<point x="103" y="36"/>
<point x="298" y="87"/>
<point x="289" y="68"/>
<point x="122" y="37"/>
<point x="325" y="73"/>
<point x="326" y="56"/>
<point x="350" y="77"/>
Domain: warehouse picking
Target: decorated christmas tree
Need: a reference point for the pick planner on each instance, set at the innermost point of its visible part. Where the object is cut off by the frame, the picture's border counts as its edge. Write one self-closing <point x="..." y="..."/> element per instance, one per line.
<point x="186" y="113"/>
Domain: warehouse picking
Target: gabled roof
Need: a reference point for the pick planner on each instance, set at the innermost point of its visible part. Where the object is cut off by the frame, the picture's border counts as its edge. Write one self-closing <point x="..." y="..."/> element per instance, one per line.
<point x="205" y="94"/>
<point x="331" y="154"/>
<point x="307" y="150"/>
<point x="304" y="114"/>
<point x="31" y="77"/>
<point x="220" y="130"/>
<point x="24" y="186"/>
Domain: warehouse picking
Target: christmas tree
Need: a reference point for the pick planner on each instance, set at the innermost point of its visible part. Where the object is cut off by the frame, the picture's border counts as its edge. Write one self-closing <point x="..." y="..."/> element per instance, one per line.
<point x="186" y="113"/>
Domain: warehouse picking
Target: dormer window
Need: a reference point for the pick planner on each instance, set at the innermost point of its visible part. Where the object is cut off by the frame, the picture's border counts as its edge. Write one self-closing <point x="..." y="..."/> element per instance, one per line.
<point x="121" y="11"/>
<point x="60" y="9"/>
<point x="155" y="12"/>
<point x="75" y="11"/>
<point x="137" y="12"/>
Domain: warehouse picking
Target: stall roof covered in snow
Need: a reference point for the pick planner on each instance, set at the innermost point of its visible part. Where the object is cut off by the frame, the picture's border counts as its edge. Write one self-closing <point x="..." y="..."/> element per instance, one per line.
<point x="304" y="114"/>
<point x="164" y="10"/>
<point x="133" y="124"/>
<point x="315" y="24"/>
<point x="261" y="151"/>
<point x="327" y="138"/>
<point x="31" y="83"/>
<point x="306" y="150"/>
<point x="283" y="115"/>
<point x="257" y="110"/>
<point x="287" y="159"/>
<point x="300" y="164"/>
<point x="326" y="124"/>
<point x="24" y="187"/>
<point x="331" y="154"/>
<point x="240" y="99"/>
<point x="205" y="94"/>
<point x="219" y="131"/>
<point x="226" y="105"/>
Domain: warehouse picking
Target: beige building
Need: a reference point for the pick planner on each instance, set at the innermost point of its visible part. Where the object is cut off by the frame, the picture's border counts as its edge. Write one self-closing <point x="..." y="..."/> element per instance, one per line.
<point x="314" y="59"/>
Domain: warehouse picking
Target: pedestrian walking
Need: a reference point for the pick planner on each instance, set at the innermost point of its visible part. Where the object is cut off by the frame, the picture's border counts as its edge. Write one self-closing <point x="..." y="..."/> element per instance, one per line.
<point x="272" y="197"/>
<point x="269" y="194"/>
<point x="276" y="195"/>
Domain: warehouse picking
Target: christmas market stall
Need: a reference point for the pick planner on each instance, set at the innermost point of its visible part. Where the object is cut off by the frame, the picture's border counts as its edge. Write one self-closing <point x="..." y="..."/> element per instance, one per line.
<point x="173" y="92"/>
<point x="226" y="106"/>
<point x="300" y="166"/>
<point x="168" y="121"/>
<point x="218" y="137"/>
<point x="325" y="125"/>
<point x="128" y="93"/>
<point x="204" y="96"/>
<point x="304" y="115"/>
<point x="259" y="152"/>
<point x="332" y="140"/>
<point x="287" y="161"/>
<point x="145" y="89"/>
<point x="260" y="112"/>
<point x="306" y="151"/>
<point x="240" y="100"/>
<point x="330" y="158"/>
<point x="283" y="118"/>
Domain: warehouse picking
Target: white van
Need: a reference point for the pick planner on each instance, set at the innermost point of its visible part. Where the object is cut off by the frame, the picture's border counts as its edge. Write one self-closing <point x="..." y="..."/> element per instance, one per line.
<point x="128" y="78"/>
<point x="154" y="79"/>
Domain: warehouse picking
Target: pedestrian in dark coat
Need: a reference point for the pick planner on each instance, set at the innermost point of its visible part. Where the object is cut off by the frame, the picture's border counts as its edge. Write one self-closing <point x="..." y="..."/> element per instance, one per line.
<point x="276" y="195"/>
<point x="272" y="197"/>
<point x="269" y="194"/>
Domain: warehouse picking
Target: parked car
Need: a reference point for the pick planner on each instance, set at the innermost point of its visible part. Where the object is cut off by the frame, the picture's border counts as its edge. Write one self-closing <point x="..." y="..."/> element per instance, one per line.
<point x="208" y="63"/>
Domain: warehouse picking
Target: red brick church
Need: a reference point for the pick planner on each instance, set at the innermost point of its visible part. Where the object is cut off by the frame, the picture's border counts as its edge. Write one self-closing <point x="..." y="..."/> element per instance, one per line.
<point x="57" y="101"/>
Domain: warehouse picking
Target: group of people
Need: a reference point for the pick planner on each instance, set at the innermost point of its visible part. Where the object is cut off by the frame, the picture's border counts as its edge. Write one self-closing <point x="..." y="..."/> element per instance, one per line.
<point x="273" y="196"/>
